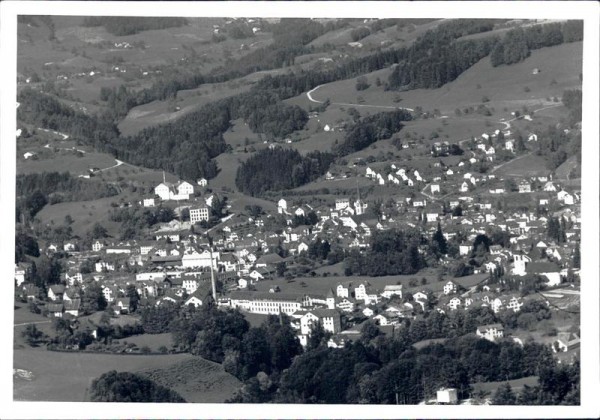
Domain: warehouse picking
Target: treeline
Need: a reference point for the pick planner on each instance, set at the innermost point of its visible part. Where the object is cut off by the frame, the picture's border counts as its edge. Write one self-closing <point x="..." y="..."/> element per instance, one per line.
<point x="370" y="129"/>
<point x="280" y="169"/>
<point x="36" y="190"/>
<point x="432" y="64"/>
<point x="390" y="252"/>
<point x="122" y="387"/>
<point x="518" y="43"/>
<point x="45" y="111"/>
<point x="130" y="25"/>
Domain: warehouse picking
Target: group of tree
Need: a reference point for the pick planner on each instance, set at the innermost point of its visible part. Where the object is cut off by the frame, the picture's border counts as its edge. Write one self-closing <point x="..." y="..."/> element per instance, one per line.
<point x="371" y="129"/>
<point x="116" y="386"/>
<point x="135" y="220"/>
<point x="391" y="252"/>
<point x="517" y="44"/>
<point x="556" y="146"/>
<point x="279" y="169"/>
<point x="130" y="25"/>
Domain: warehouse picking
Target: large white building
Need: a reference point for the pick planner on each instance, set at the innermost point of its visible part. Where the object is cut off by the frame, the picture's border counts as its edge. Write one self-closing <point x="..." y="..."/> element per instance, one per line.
<point x="267" y="303"/>
<point x="329" y="319"/>
<point x="194" y="259"/>
<point x="199" y="214"/>
<point x="179" y="191"/>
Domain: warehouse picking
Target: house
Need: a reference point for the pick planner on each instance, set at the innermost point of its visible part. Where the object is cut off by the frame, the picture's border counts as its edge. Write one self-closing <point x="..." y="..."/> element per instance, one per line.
<point x="360" y="292"/>
<point x="345" y="304"/>
<point x="549" y="270"/>
<point x="520" y="262"/>
<point x="385" y="320"/>
<point x="329" y="319"/>
<point x="179" y="191"/>
<point x="431" y="217"/>
<point x="454" y="303"/>
<point x="199" y="214"/>
<point x="97" y="245"/>
<point x="447" y="396"/>
<point x="566" y="341"/>
<point x="490" y="332"/>
<point x="435" y="188"/>
<point x="464" y="187"/>
<point x="56" y="292"/>
<point x="524" y="187"/>
<point x="149" y="202"/>
<point x="198" y="298"/>
<point x="342" y="203"/>
<point x="368" y="312"/>
<point x="202" y="182"/>
<point x="515" y="304"/>
<point x="55" y="310"/>
<point x="282" y="206"/>
<point x="450" y="287"/>
<point x="343" y="290"/>
<point x="549" y="187"/>
<point x="72" y="307"/>
<point x="392" y="290"/>
<point x="122" y="306"/>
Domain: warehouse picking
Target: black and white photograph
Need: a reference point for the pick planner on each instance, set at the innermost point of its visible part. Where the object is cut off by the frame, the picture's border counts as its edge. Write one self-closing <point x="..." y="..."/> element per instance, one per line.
<point x="332" y="208"/>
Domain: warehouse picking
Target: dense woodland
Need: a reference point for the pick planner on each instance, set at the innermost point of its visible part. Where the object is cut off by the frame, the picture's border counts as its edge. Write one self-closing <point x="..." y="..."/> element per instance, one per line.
<point x="518" y="43"/>
<point x="280" y="169"/>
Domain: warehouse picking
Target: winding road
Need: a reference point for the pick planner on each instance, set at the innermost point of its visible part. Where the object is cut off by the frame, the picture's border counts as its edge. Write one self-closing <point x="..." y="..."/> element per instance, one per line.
<point x="310" y="98"/>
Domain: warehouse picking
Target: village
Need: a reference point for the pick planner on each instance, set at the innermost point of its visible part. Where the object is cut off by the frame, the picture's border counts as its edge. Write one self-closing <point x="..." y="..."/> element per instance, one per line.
<point x="239" y="264"/>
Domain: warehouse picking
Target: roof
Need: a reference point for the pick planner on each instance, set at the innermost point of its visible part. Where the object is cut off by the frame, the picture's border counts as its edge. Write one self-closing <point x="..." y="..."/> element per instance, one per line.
<point x="324" y="313"/>
<point x="542" y="267"/>
<point x="490" y="326"/>
<point x="248" y="295"/>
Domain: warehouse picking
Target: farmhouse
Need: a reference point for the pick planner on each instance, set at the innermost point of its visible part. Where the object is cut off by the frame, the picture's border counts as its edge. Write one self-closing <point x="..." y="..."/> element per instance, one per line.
<point x="179" y="191"/>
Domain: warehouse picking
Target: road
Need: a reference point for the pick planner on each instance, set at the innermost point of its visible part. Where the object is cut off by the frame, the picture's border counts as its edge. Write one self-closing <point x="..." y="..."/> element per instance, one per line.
<point x="310" y="98"/>
<point x="119" y="163"/>
<point x="34" y="322"/>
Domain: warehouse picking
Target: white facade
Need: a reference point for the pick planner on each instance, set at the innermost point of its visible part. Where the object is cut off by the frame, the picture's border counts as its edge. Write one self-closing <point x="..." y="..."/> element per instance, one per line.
<point x="199" y="214"/>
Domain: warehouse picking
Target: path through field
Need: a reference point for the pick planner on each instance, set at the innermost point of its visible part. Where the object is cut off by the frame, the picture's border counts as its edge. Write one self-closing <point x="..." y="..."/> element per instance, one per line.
<point x="310" y="98"/>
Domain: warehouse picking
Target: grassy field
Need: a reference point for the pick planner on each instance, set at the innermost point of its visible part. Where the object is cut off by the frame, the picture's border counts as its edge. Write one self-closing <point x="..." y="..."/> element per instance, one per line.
<point x="197" y="380"/>
<point x="528" y="165"/>
<point x="67" y="161"/>
<point x="67" y="376"/>
<point x="503" y="85"/>
<point x="84" y="214"/>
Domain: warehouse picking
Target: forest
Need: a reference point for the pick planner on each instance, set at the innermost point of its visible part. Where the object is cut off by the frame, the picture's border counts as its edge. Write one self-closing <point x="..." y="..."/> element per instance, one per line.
<point x="280" y="169"/>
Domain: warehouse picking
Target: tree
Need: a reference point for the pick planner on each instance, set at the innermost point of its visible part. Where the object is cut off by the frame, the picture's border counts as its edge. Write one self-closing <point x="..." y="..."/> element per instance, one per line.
<point x="93" y="299"/>
<point x="133" y="295"/>
<point x="439" y="241"/>
<point x="116" y="386"/>
<point x="577" y="256"/>
<point x="32" y="335"/>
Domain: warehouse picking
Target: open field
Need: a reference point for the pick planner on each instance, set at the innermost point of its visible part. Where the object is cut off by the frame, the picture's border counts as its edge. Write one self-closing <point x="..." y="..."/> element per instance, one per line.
<point x="67" y="161"/>
<point x="502" y="85"/>
<point x="59" y="376"/>
<point x="321" y="285"/>
<point x="84" y="214"/>
<point x="528" y="165"/>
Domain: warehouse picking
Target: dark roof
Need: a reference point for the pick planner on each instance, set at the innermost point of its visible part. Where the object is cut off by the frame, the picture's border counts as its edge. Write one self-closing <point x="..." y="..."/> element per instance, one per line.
<point x="325" y="313"/>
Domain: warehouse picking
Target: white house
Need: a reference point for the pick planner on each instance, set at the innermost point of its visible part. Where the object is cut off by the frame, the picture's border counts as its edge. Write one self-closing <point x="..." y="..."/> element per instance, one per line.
<point x="392" y="290"/>
<point x="450" y="287"/>
<point x="329" y="319"/>
<point x="282" y="206"/>
<point x="491" y="332"/>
